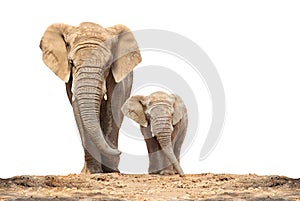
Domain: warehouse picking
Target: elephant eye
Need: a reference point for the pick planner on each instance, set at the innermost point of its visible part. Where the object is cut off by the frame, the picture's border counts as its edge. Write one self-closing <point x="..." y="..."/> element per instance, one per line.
<point x="147" y="113"/>
<point x="171" y="109"/>
<point x="71" y="63"/>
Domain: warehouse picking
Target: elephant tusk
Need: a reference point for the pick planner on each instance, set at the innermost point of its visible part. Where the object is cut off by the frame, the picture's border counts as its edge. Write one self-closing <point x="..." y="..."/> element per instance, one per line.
<point x="105" y="97"/>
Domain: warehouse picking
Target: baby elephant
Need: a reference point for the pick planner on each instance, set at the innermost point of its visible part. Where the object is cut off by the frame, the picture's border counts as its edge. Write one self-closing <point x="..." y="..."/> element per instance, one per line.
<point x="163" y="121"/>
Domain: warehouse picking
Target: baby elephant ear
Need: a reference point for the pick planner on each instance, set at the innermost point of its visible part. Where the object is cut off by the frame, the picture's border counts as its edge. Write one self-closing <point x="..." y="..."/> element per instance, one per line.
<point x="133" y="108"/>
<point x="54" y="50"/>
<point x="178" y="109"/>
<point x="126" y="54"/>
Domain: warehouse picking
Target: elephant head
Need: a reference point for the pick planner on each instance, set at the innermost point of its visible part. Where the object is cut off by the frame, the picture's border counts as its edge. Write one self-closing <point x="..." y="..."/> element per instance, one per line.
<point x="162" y="112"/>
<point x="83" y="57"/>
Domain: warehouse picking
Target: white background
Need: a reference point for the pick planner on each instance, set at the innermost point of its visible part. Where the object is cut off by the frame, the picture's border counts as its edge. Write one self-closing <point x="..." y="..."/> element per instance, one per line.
<point x="255" y="46"/>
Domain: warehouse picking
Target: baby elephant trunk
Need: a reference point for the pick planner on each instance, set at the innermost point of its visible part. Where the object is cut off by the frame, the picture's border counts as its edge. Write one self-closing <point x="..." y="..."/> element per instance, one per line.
<point x="162" y="129"/>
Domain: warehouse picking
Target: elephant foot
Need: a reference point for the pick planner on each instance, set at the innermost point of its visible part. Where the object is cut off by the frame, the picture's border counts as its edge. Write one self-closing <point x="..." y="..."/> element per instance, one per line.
<point x="167" y="172"/>
<point x="91" y="169"/>
<point x="109" y="170"/>
<point x="110" y="164"/>
<point x="164" y="172"/>
<point x="97" y="169"/>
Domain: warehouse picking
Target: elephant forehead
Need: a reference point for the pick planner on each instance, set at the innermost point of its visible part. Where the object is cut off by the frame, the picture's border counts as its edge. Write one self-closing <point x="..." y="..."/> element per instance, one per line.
<point x="160" y="97"/>
<point x="86" y="33"/>
<point x="89" y="24"/>
<point x="161" y="108"/>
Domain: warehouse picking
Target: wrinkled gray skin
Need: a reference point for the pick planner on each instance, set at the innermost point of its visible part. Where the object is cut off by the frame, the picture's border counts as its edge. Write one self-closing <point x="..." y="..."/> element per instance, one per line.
<point x="94" y="61"/>
<point x="163" y="121"/>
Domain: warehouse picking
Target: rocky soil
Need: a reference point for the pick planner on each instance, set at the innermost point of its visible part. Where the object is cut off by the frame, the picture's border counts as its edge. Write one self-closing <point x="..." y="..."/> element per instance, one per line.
<point x="116" y="186"/>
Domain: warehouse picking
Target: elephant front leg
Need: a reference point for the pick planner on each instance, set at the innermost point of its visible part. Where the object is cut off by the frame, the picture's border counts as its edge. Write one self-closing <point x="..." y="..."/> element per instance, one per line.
<point x="111" y="116"/>
<point x="178" y="137"/>
<point x="92" y="157"/>
<point x="158" y="163"/>
<point x="91" y="165"/>
<point x="111" y="132"/>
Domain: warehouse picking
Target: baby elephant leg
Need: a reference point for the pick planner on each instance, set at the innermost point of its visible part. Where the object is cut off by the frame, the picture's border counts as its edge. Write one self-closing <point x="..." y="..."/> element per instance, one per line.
<point x="158" y="162"/>
<point x="178" y="137"/>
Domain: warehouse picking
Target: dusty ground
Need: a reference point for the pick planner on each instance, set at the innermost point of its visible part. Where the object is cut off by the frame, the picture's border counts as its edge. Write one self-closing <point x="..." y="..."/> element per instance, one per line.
<point x="116" y="186"/>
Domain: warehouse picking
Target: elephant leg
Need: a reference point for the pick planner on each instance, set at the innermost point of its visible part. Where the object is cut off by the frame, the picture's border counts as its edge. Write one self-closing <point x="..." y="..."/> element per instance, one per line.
<point x="158" y="163"/>
<point x="111" y="117"/>
<point x="178" y="145"/>
<point x="178" y="137"/>
<point x="111" y="132"/>
<point x="91" y="165"/>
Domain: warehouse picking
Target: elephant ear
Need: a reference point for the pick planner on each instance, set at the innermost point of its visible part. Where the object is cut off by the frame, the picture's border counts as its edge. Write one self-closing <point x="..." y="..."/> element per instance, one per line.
<point x="133" y="108"/>
<point x="54" y="50"/>
<point x="178" y="109"/>
<point x="126" y="53"/>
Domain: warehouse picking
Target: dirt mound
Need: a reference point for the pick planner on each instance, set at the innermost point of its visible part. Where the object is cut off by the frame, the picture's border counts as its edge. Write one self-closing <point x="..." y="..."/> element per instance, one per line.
<point x="116" y="186"/>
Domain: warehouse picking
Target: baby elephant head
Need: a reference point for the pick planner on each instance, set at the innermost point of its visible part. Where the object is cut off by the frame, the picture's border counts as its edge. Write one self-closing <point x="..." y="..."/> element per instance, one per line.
<point x="160" y="111"/>
<point x="157" y="106"/>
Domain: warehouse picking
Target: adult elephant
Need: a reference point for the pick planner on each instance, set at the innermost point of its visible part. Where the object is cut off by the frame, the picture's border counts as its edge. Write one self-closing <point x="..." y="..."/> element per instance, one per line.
<point x="93" y="62"/>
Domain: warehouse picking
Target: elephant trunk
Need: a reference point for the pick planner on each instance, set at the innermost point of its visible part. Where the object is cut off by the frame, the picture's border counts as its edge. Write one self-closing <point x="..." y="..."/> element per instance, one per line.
<point x="88" y="94"/>
<point x="162" y="129"/>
